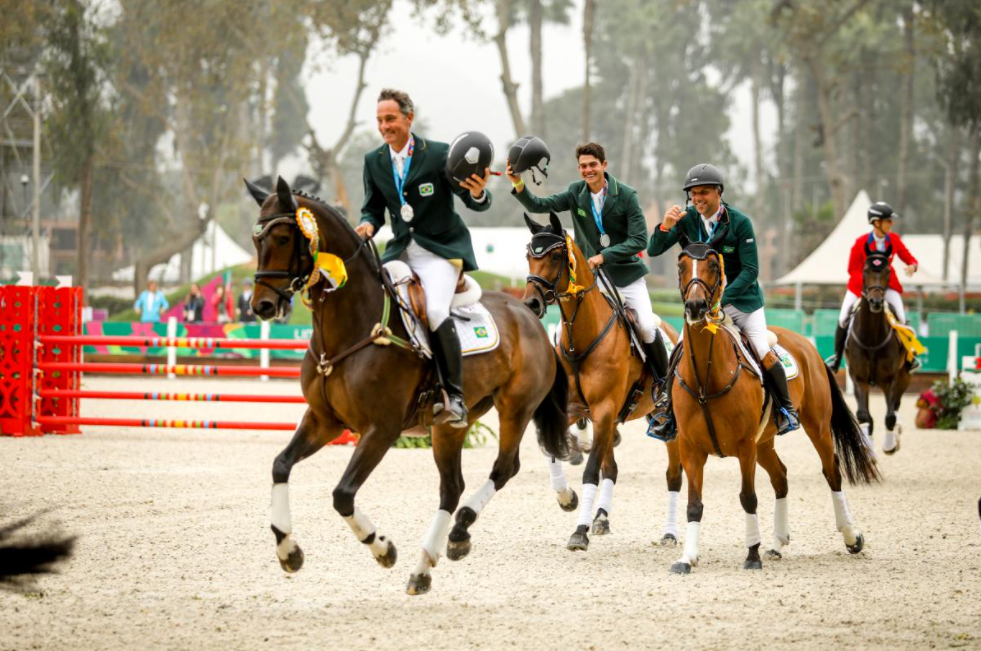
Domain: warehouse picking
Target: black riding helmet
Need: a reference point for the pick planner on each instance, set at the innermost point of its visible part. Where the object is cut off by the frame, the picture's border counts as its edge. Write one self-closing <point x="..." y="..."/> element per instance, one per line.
<point x="470" y="153"/>
<point x="703" y="174"/>
<point x="881" y="210"/>
<point x="530" y="153"/>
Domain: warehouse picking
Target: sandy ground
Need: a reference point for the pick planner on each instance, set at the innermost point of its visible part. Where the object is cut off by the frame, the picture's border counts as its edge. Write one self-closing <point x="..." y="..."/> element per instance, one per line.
<point x="175" y="550"/>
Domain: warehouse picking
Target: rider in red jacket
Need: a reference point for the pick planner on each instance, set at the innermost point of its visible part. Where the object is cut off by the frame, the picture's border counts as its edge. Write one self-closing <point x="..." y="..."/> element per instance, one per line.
<point x="881" y="216"/>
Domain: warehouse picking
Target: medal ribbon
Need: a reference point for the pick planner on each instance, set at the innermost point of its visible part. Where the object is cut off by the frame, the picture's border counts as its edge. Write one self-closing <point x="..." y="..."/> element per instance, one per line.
<point x="400" y="180"/>
<point x="718" y="220"/>
<point x="598" y="215"/>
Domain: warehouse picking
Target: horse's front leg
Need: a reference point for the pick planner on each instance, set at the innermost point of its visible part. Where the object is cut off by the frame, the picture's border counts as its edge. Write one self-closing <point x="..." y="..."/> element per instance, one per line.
<point x="311" y="434"/>
<point x="862" y="413"/>
<point x="894" y="428"/>
<point x="447" y="446"/>
<point x="603" y="426"/>
<point x="747" y="498"/>
<point x="673" y="476"/>
<point x="693" y="460"/>
<point x="371" y="449"/>
<point x="604" y="505"/>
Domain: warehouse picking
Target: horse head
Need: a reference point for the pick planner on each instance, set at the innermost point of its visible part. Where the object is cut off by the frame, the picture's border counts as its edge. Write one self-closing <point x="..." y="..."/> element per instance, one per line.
<point x="548" y="257"/>
<point x="875" y="280"/>
<point x="701" y="279"/>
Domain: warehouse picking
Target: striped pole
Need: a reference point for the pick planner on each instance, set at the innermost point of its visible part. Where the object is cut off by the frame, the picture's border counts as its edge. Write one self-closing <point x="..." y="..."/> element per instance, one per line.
<point x="172" y="342"/>
<point x="155" y="395"/>
<point x="150" y="422"/>
<point x="163" y="369"/>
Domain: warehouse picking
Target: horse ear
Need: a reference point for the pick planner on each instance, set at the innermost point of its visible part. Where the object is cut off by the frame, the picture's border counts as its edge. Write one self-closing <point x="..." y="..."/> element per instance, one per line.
<point x="257" y="193"/>
<point x="553" y="219"/>
<point x="285" y="195"/>
<point x="533" y="226"/>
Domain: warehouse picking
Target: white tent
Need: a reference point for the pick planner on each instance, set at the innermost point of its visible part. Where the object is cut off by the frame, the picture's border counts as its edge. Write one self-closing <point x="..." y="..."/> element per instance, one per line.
<point x="828" y="264"/>
<point x="929" y="251"/>
<point x="212" y="251"/>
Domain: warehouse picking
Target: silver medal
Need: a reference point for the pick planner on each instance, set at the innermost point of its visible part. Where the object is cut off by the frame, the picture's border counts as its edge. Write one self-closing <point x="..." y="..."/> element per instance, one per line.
<point x="604" y="240"/>
<point x="407" y="213"/>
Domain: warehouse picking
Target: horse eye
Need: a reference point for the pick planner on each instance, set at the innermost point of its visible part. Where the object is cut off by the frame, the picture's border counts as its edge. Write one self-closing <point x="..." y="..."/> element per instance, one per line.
<point x="282" y="240"/>
<point x="557" y="256"/>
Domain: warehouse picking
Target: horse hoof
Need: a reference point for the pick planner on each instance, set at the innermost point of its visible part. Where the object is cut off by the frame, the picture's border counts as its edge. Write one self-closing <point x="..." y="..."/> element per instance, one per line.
<point x="576" y="458"/>
<point x="293" y="562"/>
<point x="892" y="451"/>
<point x="579" y="542"/>
<point x="774" y="555"/>
<point x="858" y="546"/>
<point x="572" y="505"/>
<point x="669" y="540"/>
<point x="457" y="550"/>
<point x="601" y="524"/>
<point x="681" y="568"/>
<point x="756" y="564"/>
<point x="388" y="559"/>
<point x="419" y="584"/>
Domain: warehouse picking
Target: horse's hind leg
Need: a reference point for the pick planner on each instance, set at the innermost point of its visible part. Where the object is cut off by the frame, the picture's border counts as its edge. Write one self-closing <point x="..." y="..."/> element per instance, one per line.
<point x="747" y="497"/>
<point x="311" y="435"/>
<point x="367" y="455"/>
<point x="767" y="457"/>
<point x="447" y="447"/>
<point x="818" y="428"/>
<point x="673" y="476"/>
<point x="505" y="467"/>
<point x="568" y="500"/>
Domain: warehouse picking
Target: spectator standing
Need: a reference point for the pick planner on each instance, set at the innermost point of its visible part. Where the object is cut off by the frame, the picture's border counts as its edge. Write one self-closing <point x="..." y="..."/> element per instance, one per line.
<point x="151" y="303"/>
<point x="244" y="311"/>
<point x="194" y="305"/>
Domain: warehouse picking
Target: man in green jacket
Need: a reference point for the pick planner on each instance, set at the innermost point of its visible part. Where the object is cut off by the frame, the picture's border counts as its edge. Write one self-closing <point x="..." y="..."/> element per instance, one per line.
<point x="407" y="177"/>
<point x="611" y="230"/>
<point x="710" y="219"/>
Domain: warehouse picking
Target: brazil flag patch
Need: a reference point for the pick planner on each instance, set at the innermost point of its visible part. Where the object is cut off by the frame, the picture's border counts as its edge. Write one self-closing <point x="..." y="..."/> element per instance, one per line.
<point x="480" y="333"/>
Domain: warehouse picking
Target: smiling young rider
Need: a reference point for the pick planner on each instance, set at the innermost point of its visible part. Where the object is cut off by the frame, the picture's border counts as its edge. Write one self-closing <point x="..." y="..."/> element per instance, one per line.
<point x="406" y="177"/>
<point x="710" y="219"/>
<point x="611" y="230"/>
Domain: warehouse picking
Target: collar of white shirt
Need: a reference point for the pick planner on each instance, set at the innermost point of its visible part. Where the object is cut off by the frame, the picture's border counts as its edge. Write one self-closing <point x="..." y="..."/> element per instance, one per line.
<point x="399" y="156"/>
<point x="711" y="221"/>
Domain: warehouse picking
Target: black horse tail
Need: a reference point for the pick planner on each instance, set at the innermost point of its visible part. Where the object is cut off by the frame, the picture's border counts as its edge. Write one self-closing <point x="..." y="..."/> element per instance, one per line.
<point x="851" y="447"/>
<point x="551" y="418"/>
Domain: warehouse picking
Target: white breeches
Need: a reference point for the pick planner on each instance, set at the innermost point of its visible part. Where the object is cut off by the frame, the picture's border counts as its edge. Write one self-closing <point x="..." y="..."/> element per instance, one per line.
<point x="438" y="276"/>
<point x="636" y="297"/>
<point x="894" y="298"/>
<point x="753" y="325"/>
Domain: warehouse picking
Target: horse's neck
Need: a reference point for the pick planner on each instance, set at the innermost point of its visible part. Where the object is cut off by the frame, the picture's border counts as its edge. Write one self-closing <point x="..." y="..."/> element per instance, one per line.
<point x="589" y="314"/>
<point x="700" y="343"/>
<point x="867" y="321"/>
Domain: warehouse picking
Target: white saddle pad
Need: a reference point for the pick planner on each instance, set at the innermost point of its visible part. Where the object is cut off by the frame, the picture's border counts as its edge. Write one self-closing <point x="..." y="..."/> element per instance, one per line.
<point x="790" y="366"/>
<point x="475" y="324"/>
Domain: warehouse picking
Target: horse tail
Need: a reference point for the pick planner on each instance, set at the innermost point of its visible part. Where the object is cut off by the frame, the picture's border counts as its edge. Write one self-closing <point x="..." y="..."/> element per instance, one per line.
<point x="551" y="417"/>
<point x="851" y="447"/>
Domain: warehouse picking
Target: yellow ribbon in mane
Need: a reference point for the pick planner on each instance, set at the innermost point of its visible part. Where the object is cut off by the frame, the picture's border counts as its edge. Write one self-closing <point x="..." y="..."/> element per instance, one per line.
<point x="573" y="287"/>
<point x="906" y="336"/>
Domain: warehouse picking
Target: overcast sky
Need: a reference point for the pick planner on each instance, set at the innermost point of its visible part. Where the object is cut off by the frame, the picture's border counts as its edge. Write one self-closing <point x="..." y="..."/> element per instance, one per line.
<point x="455" y="81"/>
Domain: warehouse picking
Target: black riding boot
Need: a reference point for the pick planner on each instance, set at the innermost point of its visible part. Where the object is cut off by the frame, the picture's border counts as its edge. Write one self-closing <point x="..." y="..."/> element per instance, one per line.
<point x="661" y="423"/>
<point x="657" y="357"/>
<point x="834" y="362"/>
<point x="449" y="363"/>
<point x="785" y="414"/>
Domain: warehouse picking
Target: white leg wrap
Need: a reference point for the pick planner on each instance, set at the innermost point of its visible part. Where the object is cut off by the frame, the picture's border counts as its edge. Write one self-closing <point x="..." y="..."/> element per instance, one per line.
<point x="781" y="525"/>
<point x="752" y="530"/>
<point x="605" y="501"/>
<point x="280" y="510"/>
<point x="690" y="554"/>
<point x="479" y="500"/>
<point x="434" y="541"/>
<point x="671" y="521"/>
<point x="889" y="440"/>
<point x="843" y="517"/>
<point x="586" y="505"/>
<point x="559" y="483"/>
<point x="362" y="528"/>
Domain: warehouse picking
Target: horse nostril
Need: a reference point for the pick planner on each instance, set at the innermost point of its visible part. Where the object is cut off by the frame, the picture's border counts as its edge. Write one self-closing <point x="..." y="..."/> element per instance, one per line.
<point x="534" y="305"/>
<point x="265" y="309"/>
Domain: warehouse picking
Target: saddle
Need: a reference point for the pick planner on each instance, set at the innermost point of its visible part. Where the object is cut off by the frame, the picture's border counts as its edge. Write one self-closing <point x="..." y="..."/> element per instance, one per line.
<point x="467" y="292"/>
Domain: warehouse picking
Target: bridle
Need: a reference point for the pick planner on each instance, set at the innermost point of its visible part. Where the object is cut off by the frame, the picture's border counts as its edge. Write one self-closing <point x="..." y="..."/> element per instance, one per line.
<point x="699" y="252"/>
<point x="548" y="289"/>
<point x="876" y="259"/>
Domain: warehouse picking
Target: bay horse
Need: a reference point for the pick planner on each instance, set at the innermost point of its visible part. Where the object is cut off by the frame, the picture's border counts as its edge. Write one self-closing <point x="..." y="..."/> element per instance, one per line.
<point x="611" y="385"/>
<point x="353" y="379"/>
<point x="719" y="407"/>
<point x="875" y="355"/>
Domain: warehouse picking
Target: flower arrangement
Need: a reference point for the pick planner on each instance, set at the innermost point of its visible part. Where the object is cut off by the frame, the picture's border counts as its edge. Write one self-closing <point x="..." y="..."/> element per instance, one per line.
<point x="940" y="406"/>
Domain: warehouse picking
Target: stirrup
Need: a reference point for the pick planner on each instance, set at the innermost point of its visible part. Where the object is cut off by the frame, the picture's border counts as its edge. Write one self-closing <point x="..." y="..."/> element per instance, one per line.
<point x="455" y="416"/>
<point x="662" y="426"/>
<point x="787" y="420"/>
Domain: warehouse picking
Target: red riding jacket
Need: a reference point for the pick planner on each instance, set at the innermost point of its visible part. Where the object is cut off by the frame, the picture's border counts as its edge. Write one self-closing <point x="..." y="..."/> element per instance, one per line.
<point x="856" y="262"/>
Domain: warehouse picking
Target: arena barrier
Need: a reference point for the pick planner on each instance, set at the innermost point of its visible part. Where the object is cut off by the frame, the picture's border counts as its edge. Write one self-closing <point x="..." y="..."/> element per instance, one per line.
<point x="41" y="368"/>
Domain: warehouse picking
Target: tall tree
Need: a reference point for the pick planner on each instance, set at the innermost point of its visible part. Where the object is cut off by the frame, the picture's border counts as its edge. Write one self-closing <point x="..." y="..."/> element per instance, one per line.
<point x="588" y="16"/>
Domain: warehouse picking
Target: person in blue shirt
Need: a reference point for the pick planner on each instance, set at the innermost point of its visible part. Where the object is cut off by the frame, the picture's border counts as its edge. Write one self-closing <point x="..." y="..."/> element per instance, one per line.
<point x="151" y="303"/>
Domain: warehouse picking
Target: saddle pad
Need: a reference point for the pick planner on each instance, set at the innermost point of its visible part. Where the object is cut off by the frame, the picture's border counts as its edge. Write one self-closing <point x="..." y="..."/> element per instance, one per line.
<point x="790" y="366"/>
<point x="906" y="334"/>
<point x="475" y="324"/>
<point x="668" y="344"/>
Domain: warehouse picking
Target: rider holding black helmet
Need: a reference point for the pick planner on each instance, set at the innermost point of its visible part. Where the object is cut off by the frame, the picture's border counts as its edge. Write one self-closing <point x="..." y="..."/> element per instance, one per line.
<point x="609" y="226"/>
<point x="714" y="221"/>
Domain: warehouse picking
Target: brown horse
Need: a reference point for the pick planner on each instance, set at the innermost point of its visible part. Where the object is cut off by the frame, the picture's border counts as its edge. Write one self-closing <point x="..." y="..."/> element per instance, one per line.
<point x="875" y="355"/>
<point x="719" y="406"/>
<point x="352" y="378"/>
<point x="611" y="384"/>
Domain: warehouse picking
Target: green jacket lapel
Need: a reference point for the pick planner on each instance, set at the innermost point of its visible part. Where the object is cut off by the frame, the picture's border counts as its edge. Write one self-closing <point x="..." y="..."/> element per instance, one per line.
<point x="418" y="156"/>
<point x="612" y="192"/>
